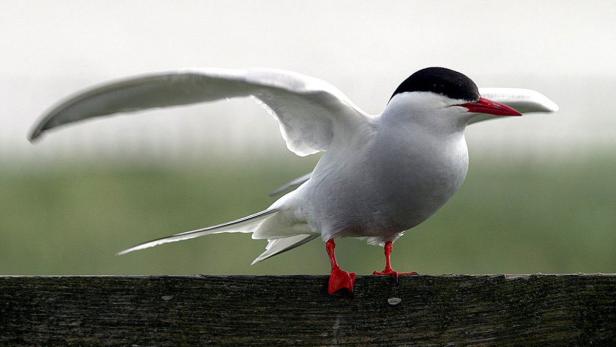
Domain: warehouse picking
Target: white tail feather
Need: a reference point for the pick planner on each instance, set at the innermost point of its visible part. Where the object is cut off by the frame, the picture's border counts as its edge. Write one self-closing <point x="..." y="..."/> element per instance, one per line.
<point x="277" y="246"/>
<point x="242" y="225"/>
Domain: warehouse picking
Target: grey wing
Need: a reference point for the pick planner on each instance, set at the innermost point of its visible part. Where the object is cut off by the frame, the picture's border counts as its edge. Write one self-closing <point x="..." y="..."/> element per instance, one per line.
<point x="523" y="100"/>
<point x="309" y="111"/>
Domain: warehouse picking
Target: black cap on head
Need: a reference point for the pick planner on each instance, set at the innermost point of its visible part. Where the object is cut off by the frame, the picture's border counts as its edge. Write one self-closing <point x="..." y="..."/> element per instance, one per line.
<point x="440" y="80"/>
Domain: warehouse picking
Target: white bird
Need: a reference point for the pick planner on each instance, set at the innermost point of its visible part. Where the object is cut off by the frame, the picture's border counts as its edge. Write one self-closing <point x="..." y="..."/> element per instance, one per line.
<point x="380" y="175"/>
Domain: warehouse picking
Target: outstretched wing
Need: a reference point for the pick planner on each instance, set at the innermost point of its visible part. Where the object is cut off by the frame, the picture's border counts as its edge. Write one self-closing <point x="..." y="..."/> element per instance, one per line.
<point x="310" y="111"/>
<point x="523" y="100"/>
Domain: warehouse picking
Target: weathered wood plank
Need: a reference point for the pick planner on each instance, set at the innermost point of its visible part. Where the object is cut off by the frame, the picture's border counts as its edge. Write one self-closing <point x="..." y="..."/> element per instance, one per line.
<point x="295" y="310"/>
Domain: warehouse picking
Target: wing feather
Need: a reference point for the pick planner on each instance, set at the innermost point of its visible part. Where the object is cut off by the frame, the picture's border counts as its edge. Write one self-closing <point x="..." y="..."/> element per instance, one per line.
<point x="523" y="100"/>
<point x="309" y="111"/>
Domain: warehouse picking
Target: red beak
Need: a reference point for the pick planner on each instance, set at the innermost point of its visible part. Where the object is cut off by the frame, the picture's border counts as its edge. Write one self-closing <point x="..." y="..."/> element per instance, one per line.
<point x="486" y="106"/>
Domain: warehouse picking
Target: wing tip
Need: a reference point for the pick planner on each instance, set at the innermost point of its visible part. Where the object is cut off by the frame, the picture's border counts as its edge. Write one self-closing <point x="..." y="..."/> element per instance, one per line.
<point x="39" y="128"/>
<point x="35" y="134"/>
<point x="276" y="192"/>
<point x="547" y="104"/>
<point x="290" y="186"/>
<point x="551" y="106"/>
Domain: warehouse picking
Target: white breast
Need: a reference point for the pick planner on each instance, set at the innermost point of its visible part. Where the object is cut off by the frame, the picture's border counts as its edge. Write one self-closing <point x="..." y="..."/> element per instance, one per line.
<point x="385" y="184"/>
<point x="418" y="174"/>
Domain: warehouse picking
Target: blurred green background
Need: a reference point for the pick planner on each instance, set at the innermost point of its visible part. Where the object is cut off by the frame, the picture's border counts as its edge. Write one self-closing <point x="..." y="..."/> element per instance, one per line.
<point x="541" y="191"/>
<point x="509" y="217"/>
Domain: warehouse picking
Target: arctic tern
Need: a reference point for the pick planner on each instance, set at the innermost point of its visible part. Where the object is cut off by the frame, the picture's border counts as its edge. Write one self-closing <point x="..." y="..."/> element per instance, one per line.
<point x="380" y="175"/>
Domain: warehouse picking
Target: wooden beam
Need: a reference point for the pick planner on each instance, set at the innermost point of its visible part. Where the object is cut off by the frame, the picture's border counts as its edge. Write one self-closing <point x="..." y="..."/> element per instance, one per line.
<point x="295" y="310"/>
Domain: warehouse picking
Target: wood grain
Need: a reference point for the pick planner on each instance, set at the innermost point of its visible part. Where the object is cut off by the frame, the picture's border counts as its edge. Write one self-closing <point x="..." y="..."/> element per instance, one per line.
<point x="295" y="310"/>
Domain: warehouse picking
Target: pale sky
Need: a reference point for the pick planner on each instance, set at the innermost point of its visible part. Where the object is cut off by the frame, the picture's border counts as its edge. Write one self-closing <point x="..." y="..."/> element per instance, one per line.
<point x="565" y="49"/>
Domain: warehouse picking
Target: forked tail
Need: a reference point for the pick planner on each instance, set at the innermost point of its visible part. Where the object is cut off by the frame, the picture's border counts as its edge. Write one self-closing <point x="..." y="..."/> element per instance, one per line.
<point x="242" y="225"/>
<point x="276" y="243"/>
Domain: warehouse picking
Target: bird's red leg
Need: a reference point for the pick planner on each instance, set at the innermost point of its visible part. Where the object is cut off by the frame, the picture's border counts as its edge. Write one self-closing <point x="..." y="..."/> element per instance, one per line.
<point x="389" y="271"/>
<point x="339" y="279"/>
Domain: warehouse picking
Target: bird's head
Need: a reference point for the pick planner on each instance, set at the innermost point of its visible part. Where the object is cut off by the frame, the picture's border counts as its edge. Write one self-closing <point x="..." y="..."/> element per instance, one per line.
<point x="441" y="96"/>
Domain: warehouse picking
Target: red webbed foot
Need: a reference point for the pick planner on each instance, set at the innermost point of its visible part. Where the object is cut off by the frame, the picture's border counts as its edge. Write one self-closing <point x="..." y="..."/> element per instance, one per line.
<point x="340" y="280"/>
<point x="389" y="271"/>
